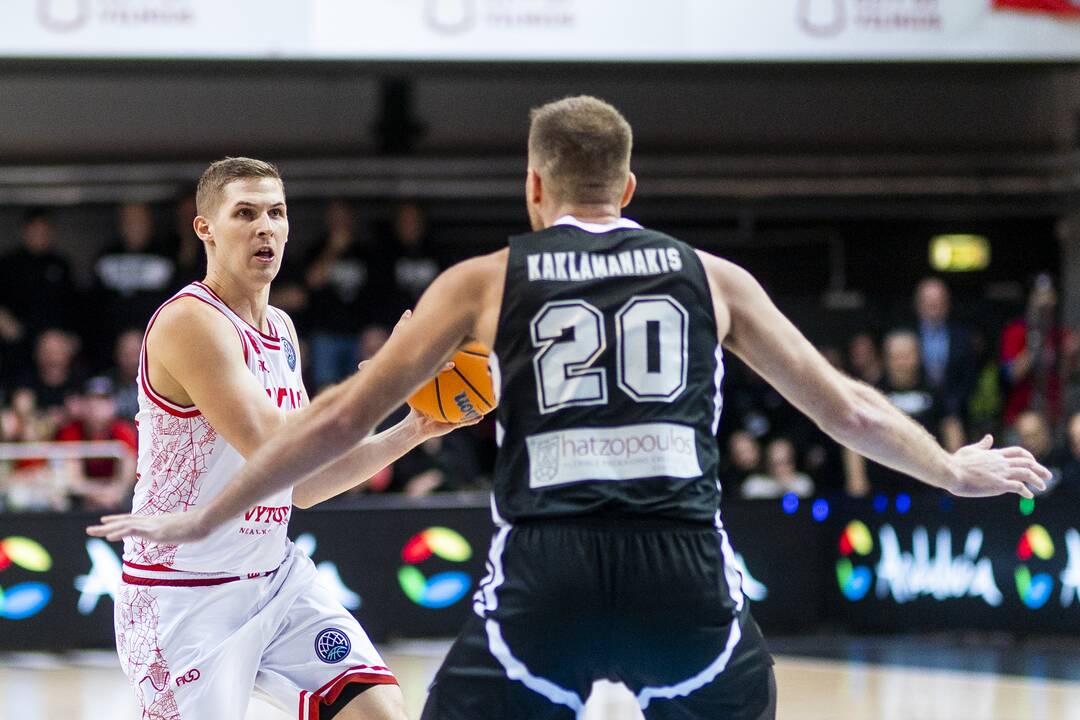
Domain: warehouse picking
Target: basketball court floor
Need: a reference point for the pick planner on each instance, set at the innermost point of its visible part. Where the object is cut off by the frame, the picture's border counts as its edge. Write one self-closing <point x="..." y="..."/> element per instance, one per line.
<point x="89" y="685"/>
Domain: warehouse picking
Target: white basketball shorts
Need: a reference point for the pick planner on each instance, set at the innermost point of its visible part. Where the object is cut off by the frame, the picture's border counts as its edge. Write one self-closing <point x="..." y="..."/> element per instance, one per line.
<point x="199" y="652"/>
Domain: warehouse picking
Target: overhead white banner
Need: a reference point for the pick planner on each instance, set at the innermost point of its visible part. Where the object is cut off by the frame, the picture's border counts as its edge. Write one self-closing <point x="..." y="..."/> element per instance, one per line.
<point x="612" y="30"/>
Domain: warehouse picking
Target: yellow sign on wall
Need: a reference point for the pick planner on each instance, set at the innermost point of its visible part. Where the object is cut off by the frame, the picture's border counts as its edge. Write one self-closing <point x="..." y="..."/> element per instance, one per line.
<point x="959" y="253"/>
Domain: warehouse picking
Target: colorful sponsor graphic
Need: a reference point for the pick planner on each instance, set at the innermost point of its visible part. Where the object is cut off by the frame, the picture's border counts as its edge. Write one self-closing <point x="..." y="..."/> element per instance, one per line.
<point x="854" y="579"/>
<point x="29" y="598"/>
<point x="332" y="645"/>
<point x="445" y="588"/>
<point x="1035" y="589"/>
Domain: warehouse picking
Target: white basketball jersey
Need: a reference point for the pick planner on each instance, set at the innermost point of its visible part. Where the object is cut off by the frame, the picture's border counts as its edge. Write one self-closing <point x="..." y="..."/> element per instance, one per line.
<point x="184" y="463"/>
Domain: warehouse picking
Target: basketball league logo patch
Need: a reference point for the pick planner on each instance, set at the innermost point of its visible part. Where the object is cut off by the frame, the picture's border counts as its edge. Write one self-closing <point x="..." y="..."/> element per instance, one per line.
<point x="332" y="645"/>
<point x="290" y="353"/>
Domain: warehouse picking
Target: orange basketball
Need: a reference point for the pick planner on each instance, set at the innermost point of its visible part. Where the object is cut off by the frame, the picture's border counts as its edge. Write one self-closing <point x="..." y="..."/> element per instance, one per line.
<point x="461" y="393"/>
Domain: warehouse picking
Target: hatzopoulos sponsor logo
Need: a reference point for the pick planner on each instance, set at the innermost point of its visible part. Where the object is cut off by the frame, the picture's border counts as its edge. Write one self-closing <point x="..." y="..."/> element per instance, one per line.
<point x="628" y="452"/>
<point x="907" y="576"/>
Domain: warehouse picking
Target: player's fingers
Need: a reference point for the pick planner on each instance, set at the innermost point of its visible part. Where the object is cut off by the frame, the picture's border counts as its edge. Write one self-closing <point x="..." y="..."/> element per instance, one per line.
<point x="1022" y="462"/>
<point x="114" y="518"/>
<point x="1029" y="478"/>
<point x="1020" y="489"/>
<point x="109" y="531"/>
<point x="1017" y="452"/>
<point x="360" y="365"/>
<point x="449" y="365"/>
<point x="986" y="443"/>
<point x="1030" y="463"/>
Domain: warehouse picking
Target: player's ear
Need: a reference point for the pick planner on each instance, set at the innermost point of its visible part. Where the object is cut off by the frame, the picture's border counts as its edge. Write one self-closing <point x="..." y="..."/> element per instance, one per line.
<point x="631" y="186"/>
<point x="534" y="187"/>
<point x="203" y="230"/>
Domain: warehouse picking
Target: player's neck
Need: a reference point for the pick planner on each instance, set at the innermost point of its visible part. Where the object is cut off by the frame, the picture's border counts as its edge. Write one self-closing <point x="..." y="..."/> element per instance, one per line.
<point x="249" y="303"/>
<point x="602" y="214"/>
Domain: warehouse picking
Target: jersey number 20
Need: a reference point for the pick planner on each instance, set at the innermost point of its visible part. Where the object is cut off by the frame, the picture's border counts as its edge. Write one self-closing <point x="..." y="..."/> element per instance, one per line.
<point x="651" y="334"/>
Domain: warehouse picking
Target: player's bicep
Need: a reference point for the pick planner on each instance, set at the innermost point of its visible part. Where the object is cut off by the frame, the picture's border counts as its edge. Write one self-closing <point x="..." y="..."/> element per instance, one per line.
<point x="770" y="344"/>
<point x="204" y="355"/>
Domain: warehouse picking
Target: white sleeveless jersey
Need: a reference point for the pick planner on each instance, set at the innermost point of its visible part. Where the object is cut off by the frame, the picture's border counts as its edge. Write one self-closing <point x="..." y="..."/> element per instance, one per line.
<point x="184" y="463"/>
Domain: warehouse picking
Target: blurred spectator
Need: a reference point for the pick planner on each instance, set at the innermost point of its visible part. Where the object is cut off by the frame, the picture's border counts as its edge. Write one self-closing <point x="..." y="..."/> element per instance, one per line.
<point x="440" y="464"/>
<point x="339" y="279"/>
<point x="53" y="376"/>
<point x="36" y="290"/>
<point x="30" y="484"/>
<point x="742" y="460"/>
<point x="134" y="275"/>
<point x="124" y="372"/>
<point x="947" y="361"/>
<point x="187" y="248"/>
<point x="1037" y="352"/>
<point x="415" y="262"/>
<point x="101" y="483"/>
<point x="1032" y="432"/>
<point x="1070" y="472"/>
<point x="371" y="340"/>
<point x="984" y="405"/>
<point x="780" y="477"/>
<point x="864" y="359"/>
<point x="906" y="388"/>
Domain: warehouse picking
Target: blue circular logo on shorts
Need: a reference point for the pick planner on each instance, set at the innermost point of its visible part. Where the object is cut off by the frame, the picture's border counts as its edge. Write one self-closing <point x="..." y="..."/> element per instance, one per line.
<point x="332" y="645"/>
<point x="290" y="352"/>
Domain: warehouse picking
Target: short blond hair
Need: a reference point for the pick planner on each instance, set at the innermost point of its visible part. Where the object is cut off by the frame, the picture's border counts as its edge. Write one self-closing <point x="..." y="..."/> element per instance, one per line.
<point x="221" y="173"/>
<point x="581" y="145"/>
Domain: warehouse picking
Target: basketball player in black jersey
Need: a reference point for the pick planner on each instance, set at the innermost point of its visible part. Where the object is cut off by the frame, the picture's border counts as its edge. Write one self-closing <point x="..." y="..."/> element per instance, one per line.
<point x="610" y="560"/>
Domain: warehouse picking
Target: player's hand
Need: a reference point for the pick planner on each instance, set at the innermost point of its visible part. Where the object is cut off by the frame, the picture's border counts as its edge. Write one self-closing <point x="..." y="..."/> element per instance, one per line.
<point x="427" y="428"/>
<point x="983" y="471"/>
<point x="171" y="529"/>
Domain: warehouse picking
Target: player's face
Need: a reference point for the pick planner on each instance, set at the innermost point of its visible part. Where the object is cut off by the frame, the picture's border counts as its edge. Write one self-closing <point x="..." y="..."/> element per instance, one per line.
<point x="250" y="228"/>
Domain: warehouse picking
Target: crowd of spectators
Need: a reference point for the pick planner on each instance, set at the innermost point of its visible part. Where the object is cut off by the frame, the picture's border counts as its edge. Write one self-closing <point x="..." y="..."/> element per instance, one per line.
<point x="69" y="356"/>
<point x="943" y="374"/>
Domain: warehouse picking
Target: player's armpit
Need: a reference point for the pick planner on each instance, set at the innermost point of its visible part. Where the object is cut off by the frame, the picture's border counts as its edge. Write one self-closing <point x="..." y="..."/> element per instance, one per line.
<point x="192" y="347"/>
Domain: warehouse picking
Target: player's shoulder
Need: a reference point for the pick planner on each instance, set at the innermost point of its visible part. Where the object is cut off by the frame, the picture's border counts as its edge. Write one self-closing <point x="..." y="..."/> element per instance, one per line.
<point x="185" y="320"/>
<point x="476" y="271"/>
<point x="724" y="273"/>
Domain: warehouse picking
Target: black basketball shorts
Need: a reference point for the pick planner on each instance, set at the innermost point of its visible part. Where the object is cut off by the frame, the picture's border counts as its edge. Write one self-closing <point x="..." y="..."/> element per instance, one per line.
<point x="651" y="604"/>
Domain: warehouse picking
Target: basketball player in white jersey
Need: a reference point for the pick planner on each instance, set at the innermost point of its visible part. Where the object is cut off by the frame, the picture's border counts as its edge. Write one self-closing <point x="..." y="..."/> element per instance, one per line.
<point x="201" y="626"/>
<point x="578" y="181"/>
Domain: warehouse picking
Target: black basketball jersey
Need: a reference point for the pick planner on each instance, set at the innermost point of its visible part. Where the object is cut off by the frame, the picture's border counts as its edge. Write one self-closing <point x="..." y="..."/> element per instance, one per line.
<point x="609" y="371"/>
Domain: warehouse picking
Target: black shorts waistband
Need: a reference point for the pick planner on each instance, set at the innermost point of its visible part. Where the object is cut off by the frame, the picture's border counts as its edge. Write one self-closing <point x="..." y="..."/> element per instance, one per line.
<point x="615" y="523"/>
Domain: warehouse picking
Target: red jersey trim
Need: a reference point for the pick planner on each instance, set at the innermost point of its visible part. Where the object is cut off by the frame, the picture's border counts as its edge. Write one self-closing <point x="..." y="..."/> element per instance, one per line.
<point x="175" y="409"/>
<point x="328" y="693"/>
<point x="151" y="568"/>
<point x="271" y="338"/>
<point x="190" y="582"/>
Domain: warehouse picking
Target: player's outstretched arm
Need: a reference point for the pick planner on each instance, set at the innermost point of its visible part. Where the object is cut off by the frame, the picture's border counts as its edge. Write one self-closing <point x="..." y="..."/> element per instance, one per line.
<point x="458" y="306"/>
<point x="852" y="413"/>
<point x="371" y="455"/>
